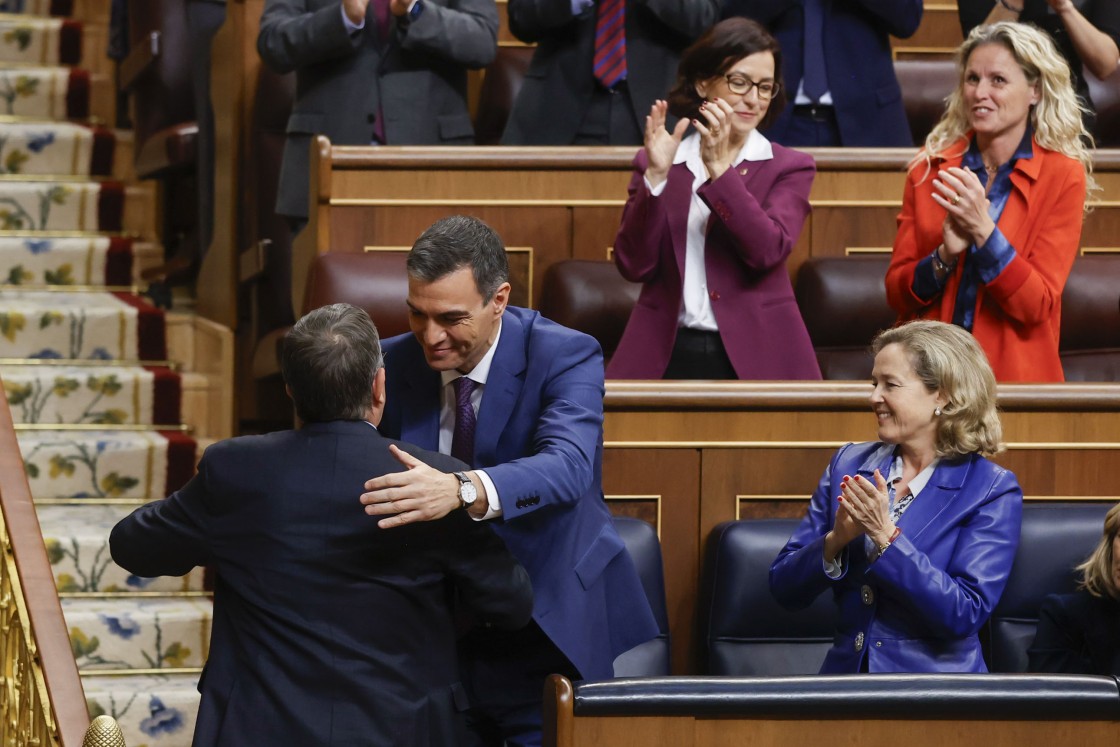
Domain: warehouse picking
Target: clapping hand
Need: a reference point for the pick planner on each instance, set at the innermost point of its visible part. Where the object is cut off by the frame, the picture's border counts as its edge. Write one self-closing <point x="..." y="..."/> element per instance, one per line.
<point x="661" y="145"/>
<point x="715" y="136"/>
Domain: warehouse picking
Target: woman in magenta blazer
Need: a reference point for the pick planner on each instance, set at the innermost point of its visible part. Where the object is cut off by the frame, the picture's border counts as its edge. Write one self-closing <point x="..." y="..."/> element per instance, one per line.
<point x="710" y="221"/>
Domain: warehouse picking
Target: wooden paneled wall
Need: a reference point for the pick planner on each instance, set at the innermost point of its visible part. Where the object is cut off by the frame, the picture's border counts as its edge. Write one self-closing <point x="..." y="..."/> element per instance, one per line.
<point x="561" y="203"/>
<point x="687" y="456"/>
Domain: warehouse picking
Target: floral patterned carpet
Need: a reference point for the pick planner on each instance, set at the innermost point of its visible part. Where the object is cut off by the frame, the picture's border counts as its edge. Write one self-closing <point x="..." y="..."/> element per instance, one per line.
<point x="83" y="360"/>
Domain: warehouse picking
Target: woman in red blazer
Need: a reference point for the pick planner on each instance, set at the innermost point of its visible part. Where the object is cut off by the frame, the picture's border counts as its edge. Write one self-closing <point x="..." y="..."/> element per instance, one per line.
<point x="710" y="221"/>
<point x="992" y="212"/>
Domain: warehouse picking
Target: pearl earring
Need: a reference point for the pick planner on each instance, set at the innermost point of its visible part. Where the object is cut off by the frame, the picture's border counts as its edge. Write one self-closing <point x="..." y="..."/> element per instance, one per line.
<point x="937" y="411"/>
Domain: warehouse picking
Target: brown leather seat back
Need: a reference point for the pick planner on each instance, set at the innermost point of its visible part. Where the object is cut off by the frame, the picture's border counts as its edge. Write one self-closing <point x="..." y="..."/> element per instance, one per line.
<point x="589" y="296"/>
<point x="374" y="281"/>
<point x="1090" y="337"/>
<point x="500" y="86"/>
<point x="844" y="304"/>
<point x="925" y="85"/>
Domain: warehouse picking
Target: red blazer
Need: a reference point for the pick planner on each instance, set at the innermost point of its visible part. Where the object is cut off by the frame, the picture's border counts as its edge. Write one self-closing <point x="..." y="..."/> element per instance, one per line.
<point x="1018" y="316"/>
<point x="756" y="219"/>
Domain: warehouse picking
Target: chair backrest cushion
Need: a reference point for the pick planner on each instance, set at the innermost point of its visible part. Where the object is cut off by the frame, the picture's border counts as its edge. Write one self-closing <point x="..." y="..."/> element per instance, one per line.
<point x="589" y="296"/>
<point x="1055" y="538"/>
<point x="744" y="630"/>
<point x="374" y="281"/>
<point x="650" y="659"/>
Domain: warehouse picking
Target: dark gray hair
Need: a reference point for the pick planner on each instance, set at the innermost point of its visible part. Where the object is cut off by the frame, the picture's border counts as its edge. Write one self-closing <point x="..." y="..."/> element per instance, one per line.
<point x="329" y="360"/>
<point x="456" y="242"/>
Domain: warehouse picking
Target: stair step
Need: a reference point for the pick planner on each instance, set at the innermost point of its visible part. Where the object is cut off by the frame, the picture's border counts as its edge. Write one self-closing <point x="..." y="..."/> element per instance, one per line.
<point x="97" y="395"/>
<point x="151" y="709"/>
<point x="53" y="149"/>
<point x="77" y="539"/>
<point x="30" y="40"/>
<point x="99" y="465"/>
<point x="98" y="326"/>
<point x="138" y="633"/>
<point x="93" y="261"/>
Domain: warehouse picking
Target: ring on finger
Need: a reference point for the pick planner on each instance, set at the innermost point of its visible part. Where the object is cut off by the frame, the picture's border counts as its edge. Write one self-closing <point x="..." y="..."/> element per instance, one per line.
<point x="956" y="199"/>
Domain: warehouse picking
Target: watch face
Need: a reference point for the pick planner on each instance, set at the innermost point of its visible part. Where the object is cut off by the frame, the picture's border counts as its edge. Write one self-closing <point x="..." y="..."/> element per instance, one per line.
<point x="467" y="493"/>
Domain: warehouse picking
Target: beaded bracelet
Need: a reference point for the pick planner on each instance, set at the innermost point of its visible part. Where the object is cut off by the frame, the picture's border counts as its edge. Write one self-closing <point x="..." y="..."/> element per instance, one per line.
<point x="939" y="264"/>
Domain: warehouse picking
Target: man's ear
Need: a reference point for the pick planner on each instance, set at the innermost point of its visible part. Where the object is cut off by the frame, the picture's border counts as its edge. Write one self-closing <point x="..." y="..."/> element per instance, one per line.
<point x="501" y="298"/>
<point x="377" y="401"/>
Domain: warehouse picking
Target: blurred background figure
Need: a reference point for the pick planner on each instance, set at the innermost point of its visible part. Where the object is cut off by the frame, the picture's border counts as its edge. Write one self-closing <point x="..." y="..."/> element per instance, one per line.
<point x="1080" y="633"/>
<point x="1086" y="32"/>
<point x="838" y="67"/>
<point x="993" y="205"/>
<point x="392" y="72"/>
<point x="710" y="221"/>
<point x="598" y="67"/>
<point x="914" y="534"/>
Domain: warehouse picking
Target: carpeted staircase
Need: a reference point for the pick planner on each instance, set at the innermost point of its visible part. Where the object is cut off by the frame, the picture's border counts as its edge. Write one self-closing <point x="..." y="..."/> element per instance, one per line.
<point x="98" y="380"/>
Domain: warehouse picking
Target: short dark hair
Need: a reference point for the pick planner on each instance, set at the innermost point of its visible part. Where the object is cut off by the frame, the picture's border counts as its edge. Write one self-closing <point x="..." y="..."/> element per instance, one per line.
<point x="329" y="360"/>
<point x="456" y="242"/>
<point x="713" y="54"/>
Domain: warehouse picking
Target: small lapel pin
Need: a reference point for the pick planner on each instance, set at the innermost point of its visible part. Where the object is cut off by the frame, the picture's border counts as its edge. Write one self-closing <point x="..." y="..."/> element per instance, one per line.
<point x="743" y="171"/>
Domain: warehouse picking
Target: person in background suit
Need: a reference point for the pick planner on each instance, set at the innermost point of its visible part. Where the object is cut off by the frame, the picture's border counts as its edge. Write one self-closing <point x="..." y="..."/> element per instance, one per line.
<point x="521" y="399"/>
<point x="1079" y="633"/>
<point x="373" y="71"/>
<point x="914" y="534"/>
<point x="711" y="220"/>
<point x="328" y="630"/>
<point x="838" y="68"/>
<point x="598" y="66"/>
<point x="1086" y="32"/>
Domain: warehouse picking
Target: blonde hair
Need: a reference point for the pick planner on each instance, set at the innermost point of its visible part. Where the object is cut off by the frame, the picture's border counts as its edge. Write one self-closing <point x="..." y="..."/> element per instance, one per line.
<point x="948" y="359"/>
<point x="1057" y="117"/>
<point x="1096" y="571"/>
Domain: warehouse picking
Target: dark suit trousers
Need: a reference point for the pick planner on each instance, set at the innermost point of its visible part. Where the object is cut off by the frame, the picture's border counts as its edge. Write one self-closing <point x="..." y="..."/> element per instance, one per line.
<point x="609" y="119"/>
<point x="504" y="674"/>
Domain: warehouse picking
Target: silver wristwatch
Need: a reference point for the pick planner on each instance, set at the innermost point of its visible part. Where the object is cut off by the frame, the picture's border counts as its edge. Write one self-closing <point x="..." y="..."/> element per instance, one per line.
<point x="468" y="493"/>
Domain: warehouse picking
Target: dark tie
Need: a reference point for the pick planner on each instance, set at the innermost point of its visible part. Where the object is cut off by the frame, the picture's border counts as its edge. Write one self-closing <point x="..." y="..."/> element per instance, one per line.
<point x="462" y="440"/>
<point x="609" y="66"/>
<point x="381" y="15"/>
<point x="814" y="81"/>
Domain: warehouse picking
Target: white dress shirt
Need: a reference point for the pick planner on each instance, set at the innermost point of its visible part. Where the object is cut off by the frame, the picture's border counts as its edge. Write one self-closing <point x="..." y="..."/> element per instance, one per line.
<point x="447" y="405"/>
<point x="696" y="309"/>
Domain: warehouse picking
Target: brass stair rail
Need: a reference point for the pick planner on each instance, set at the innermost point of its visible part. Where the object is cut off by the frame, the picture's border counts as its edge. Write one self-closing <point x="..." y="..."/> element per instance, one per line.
<point x="42" y="701"/>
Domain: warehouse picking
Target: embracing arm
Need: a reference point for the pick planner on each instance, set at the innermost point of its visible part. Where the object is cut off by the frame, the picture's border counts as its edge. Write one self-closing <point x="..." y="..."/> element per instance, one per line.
<point x="560" y="464"/>
<point x="490" y="581"/>
<point x="466" y="33"/>
<point x="1029" y="288"/>
<point x="957" y="600"/>
<point x="763" y="232"/>
<point x="167" y="537"/>
<point x="292" y="37"/>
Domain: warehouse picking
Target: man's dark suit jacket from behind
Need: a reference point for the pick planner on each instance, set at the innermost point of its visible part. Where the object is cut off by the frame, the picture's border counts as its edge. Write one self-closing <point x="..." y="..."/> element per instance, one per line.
<point x="327" y="630"/>
<point x="540" y="439"/>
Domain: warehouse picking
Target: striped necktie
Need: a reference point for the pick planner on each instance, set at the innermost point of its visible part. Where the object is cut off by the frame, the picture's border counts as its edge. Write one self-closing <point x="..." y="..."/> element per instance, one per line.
<point x="609" y="65"/>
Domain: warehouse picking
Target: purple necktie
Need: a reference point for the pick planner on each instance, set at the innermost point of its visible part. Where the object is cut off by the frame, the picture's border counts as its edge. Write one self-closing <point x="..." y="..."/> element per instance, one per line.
<point x="462" y="440"/>
<point x="814" y="80"/>
<point x="609" y="65"/>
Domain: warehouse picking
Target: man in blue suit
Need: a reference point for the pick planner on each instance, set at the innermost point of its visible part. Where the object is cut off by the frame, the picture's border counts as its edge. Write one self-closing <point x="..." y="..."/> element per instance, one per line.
<point x="535" y="392"/>
<point x="853" y="98"/>
<point x="328" y="630"/>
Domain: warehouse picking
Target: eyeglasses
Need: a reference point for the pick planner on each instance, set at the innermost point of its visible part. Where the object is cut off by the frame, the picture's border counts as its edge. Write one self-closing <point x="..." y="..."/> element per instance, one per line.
<point x="741" y="85"/>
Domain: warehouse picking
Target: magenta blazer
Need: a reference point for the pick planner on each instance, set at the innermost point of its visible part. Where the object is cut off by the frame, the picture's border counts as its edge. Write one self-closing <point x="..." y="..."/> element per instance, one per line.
<point x="758" y="209"/>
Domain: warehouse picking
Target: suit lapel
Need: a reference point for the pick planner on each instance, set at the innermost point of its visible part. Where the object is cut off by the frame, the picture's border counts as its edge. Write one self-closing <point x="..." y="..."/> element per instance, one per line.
<point x="503" y="389"/>
<point x="939" y="494"/>
<point x="1013" y="220"/>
